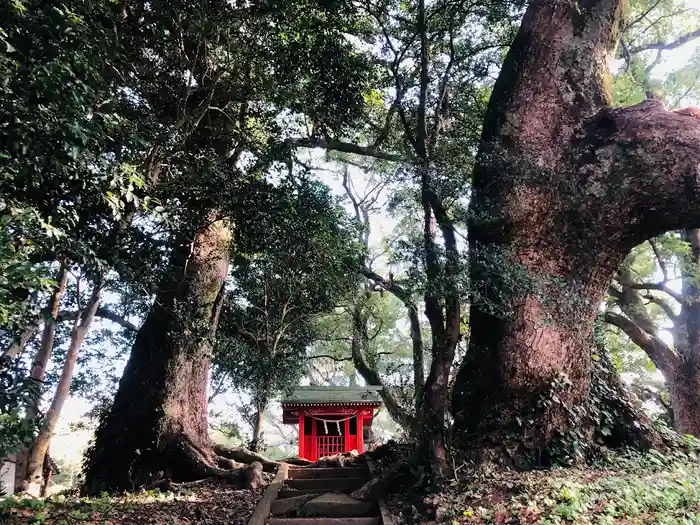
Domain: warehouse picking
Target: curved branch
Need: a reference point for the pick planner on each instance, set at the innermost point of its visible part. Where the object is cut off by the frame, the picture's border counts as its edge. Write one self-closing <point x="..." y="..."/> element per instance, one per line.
<point x="404" y="296"/>
<point x="663" y="356"/>
<point x="667" y="308"/>
<point x="371" y="376"/>
<point x="661" y="287"/>
<point x="666" y="46"/>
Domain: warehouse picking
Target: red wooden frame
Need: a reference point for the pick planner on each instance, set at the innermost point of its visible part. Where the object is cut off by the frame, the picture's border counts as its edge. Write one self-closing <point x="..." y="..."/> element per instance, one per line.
<point x="309" y="445"/>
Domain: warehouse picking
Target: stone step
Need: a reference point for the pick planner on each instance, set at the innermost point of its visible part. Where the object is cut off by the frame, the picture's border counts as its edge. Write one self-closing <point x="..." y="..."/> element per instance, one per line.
<point x="283" y="506"/>
<point x="285" y="493"/>
<point x="316" y="473"/>
<point x="328" y="505"/>
<point x="326" y="484"/>
<point x="331" y="505"/>
<point x="324" y="521"/>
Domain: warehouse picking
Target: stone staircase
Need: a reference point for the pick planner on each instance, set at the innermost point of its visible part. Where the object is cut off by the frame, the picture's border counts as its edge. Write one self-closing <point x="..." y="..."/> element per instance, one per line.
<point x="320" y="496"/>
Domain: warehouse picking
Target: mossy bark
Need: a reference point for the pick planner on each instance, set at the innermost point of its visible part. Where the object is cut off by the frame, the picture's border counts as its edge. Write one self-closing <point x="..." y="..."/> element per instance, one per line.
<point x="565" y="186"/>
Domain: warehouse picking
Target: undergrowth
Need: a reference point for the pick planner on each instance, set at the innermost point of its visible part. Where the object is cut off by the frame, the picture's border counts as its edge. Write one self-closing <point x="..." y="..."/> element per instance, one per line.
<point x="632" y="488"/>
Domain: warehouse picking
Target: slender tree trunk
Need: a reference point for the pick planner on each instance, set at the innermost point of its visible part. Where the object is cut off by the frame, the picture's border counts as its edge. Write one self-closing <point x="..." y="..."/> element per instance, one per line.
<point x="80" y="329"/>
<point x="256" y="443"/>
<point x="442" y="308"/>
<point x="46" y="474"/>
<point x="38" y="371"/>
<point x="418" y="355"/>
<point x="370" y="375"/>
<point x="43" y="355"/>
<point x="157" y="425"/>
<point x="565" y="186"/>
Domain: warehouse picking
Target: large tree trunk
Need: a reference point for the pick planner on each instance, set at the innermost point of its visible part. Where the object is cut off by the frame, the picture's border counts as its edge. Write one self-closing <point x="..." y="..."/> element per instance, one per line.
<point x="40" y="447"/>
<point x="564" y="187"/>
<point x="157" y="425"/>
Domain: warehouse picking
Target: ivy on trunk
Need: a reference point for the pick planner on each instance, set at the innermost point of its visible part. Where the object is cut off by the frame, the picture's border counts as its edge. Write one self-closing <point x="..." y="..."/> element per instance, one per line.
<point x="564" y="187"/>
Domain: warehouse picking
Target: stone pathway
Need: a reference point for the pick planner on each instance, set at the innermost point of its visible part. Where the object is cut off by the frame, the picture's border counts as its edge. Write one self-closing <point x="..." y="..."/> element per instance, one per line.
<point x="317" y="496"/>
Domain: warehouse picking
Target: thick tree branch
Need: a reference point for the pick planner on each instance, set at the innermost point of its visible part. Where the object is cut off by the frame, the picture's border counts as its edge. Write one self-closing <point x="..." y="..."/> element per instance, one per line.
<point x="661" y="287"/>
<point x="664" y="305"/>
<point x="344" y="147"/>
<point x="18" y="344"/>
<point x="657" y="153"/>
<point x="662" y="355"/>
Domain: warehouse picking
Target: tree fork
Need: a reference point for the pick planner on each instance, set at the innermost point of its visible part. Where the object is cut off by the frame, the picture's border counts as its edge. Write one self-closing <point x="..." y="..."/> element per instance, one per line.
<point x="564" y="187"/>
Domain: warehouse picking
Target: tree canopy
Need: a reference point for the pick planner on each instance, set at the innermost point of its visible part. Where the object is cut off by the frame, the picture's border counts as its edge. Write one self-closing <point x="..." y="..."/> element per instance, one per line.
<point x="491" y="216"/>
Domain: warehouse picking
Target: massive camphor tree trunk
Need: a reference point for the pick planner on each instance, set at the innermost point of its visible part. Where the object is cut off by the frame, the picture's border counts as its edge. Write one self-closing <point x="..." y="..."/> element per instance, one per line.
<point x="565" y="186"/>
<point x="157" y="426"/>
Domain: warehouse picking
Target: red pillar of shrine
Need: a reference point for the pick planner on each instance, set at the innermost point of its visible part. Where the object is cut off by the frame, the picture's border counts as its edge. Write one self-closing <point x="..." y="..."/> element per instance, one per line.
<point x="360" y="429"/>
<point x="302" y="414"/>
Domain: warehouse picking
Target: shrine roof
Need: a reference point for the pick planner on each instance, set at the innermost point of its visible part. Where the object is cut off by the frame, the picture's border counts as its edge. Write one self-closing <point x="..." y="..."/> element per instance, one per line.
<point x="333" y="395"/>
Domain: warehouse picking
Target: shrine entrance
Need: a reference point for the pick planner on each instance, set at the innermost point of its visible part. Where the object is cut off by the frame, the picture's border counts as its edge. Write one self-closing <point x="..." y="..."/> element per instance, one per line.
<point x="331" y="419"/>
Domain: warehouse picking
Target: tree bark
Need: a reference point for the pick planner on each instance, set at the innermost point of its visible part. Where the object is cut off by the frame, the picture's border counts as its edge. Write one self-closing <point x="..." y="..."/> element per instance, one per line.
<point x="38" y="370"/>
<point x="564" y="187"/>
<point x="80" y="329"/>
<point x="18" y="344"/>
<point x="157" y="425"/>
<point x="43" y="355"/>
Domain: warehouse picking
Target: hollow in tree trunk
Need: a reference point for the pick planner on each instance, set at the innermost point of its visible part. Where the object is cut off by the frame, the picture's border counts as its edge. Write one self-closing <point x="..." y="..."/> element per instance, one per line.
<point x="564" y="187"/>
<point x="157" y="426"/>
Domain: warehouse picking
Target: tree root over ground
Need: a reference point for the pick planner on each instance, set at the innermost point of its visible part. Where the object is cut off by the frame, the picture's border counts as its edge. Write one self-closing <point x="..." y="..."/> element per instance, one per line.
<point x="190" y="462"/>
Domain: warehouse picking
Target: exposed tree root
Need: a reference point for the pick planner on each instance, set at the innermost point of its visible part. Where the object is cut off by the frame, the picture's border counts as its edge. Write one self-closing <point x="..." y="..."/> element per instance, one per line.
<point x="198" y="462"/>
<point x="349" y="459"/>
<point x="243" y="455"/>
<point x="299" y="462"/>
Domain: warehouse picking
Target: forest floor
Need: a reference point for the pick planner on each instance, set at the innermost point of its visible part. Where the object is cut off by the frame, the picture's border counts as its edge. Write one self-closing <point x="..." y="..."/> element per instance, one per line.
<point x="629" y="489"/>
<point x="632" y="489"/>
<point x="210" y="503"/>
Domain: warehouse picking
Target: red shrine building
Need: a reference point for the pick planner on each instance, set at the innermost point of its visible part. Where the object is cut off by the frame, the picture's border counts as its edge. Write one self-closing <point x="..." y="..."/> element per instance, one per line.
<point x="332" y="420"/>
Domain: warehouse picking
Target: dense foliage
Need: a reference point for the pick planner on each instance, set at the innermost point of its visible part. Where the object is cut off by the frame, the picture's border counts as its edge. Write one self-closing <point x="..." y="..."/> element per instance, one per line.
<point x="334" y="143"/>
